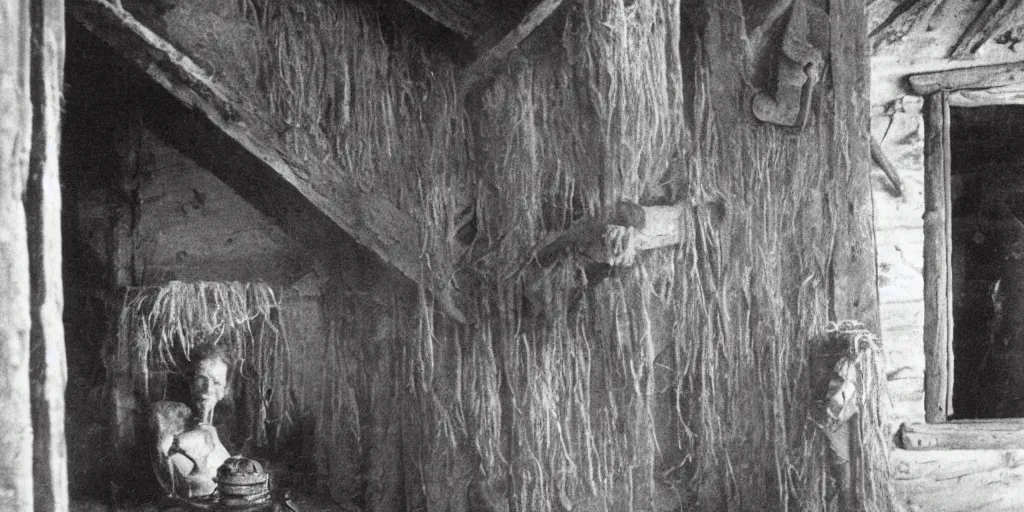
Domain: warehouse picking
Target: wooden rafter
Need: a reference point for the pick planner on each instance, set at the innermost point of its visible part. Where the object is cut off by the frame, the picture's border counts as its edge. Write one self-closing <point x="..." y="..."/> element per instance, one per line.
<point x="482" y="69"/>
<point x="463" y="17"/>
<point x="996" y="17"/>
<point x="220" y="131"/>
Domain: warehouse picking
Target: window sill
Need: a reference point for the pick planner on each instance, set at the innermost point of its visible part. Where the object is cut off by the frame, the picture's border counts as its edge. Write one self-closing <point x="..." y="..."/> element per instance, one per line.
<point x="1001" y="434"/>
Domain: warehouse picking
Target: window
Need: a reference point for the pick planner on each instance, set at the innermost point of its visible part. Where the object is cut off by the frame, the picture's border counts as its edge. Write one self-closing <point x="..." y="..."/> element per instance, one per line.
<point x="987" y="261"/>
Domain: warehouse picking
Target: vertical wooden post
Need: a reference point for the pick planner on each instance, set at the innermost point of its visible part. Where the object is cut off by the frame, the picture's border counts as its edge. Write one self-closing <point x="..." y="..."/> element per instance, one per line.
<point x="937" y="307"/>
<point x="42" y="209"/>
<point x="15" y="318"/>
<point x="854" y="272"/>
<point x="854" y="265"/>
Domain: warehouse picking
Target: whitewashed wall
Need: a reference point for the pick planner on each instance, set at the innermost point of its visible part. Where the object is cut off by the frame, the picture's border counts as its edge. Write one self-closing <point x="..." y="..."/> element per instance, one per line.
<point x="929" y="481"/>
<point x="899" y="233"/>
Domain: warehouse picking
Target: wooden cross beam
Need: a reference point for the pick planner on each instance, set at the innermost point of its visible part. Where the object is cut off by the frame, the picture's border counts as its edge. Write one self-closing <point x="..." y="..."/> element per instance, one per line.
<point x="241" y="148"/>
<point x="482" y="70"/>
<point x="463" y="17"/>
<point x="974" y="77"/>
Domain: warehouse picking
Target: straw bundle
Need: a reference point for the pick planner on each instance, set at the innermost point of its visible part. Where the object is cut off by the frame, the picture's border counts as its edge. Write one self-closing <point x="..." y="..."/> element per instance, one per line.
<point x="159" y="328"/>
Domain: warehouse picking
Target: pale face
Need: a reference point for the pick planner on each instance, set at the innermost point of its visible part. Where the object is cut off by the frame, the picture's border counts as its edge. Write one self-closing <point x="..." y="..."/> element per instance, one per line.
<point x="209" y="386"/>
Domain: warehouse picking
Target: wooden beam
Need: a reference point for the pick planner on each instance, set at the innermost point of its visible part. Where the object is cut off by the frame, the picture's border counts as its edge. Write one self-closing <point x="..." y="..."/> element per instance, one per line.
<point x="997" y="16"/>
<point x="48" y="367"/>
<point x="482" y="70"/>
<point x="883" y="163"/>
<point x="854" y="273"/>
<point x="371" y="220"/>
<point x="464" y="17"/>
<point x="937" y="235"/>
<point x="854" y="268"/>
<point x="653" y="227"/>
<point x="649" y="227"/>
<point x="962" y="435"/>
<point x="587" y="232"/>
<point x="15" y="317"/>
<point x="977" y="77"/>
<point x="958" y="480"/>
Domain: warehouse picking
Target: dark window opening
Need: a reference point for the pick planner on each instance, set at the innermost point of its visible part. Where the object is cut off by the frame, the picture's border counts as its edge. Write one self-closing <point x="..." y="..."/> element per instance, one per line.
<point x="987" y="260"/>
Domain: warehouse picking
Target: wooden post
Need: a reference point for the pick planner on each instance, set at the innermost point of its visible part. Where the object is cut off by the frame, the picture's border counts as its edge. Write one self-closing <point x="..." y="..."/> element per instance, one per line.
<point x="42" y="209"/>
<point x="937" y="307"/>
<point x="854" y="273"/>
<point x="15" y="318"/>
<point x="854" y="267"/>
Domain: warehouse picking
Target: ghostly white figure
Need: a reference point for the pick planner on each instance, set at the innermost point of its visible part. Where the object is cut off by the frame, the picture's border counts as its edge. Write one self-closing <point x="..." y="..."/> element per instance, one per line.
<point x="188" y="449"/>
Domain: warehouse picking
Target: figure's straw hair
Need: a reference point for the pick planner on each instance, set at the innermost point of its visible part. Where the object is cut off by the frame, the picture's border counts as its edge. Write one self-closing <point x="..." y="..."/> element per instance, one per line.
<point x="162" y="327"/>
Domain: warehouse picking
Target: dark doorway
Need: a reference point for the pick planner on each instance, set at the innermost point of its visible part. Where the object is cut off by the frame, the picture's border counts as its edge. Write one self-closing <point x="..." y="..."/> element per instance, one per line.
<point x="987" y="260"/>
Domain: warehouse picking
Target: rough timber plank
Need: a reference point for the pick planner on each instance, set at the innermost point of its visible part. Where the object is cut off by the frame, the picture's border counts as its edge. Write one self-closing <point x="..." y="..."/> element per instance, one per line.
<point x="15" y="319"/>
<point x="854" y="272"/>
<point x="482" y="69"/>
<point x="42" y="208"/>
<point x="936" y="259"/>
<point x="977" y="77"/>
<point x="373" y="221"/>
<point x="1007" y="95"/>
<point x="1001" y="435"/>
<point x="854" y="258"/>
<point x="959" y="480"/>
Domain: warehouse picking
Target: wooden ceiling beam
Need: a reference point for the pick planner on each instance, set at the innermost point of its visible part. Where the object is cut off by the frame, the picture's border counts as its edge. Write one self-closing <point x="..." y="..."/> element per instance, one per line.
<point x="483" y="68"/>
<point x="242" y="149"/>
<point x="975" y="77"/>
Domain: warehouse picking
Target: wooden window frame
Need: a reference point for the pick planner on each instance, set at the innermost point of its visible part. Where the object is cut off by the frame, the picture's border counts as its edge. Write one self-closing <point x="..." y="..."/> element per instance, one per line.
<point x="965" y="87"/>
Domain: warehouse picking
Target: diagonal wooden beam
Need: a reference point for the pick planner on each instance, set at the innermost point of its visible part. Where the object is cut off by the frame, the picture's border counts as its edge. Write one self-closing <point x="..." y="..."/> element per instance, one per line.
<point x="463" y="17"/>
<point x="240" y="148"/>
<point x="996" y="17"/>
<point x="482" y="70"/>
